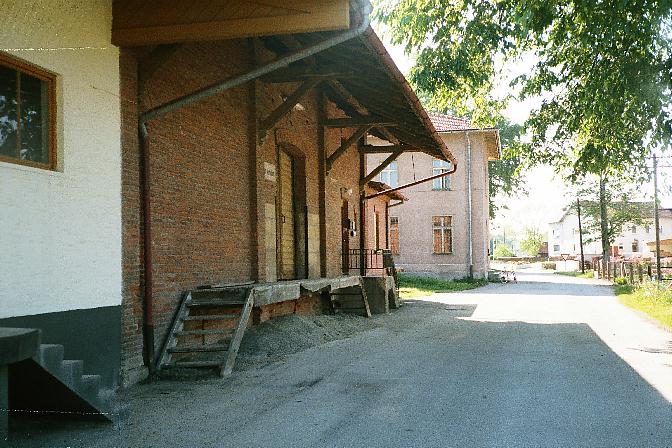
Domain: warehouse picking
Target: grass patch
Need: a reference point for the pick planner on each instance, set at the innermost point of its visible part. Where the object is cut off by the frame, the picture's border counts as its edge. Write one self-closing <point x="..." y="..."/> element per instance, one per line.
<point x="412" y="286"/>
<point x="578" y="274"/>
<point x="650" y="299"/>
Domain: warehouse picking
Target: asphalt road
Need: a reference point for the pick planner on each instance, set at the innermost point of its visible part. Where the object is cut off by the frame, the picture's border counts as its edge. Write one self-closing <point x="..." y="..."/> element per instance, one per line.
<point x="535" y="364"/>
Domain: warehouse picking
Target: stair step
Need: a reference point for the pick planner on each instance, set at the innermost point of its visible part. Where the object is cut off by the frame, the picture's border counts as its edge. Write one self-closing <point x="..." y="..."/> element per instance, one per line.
<point x="202" y="332"/>
<point x="199" y="348"/>
<point x="212" y="317"/>
<point x="72" y="371"/>
<point x="219" y="293"/>
<point x="193" y="364"/>
<point x="50" y="356"/>
<point x="91" y="388"/>
<point x="210" y="303"/>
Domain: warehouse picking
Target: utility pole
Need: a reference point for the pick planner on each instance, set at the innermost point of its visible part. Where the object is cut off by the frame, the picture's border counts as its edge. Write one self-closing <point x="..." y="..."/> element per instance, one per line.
<point x="578" y="212"/>
<point x="655" y="214"/>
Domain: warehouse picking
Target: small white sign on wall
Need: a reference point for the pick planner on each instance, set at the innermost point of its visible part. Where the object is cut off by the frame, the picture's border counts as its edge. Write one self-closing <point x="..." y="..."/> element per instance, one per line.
<point x="269" y="171"/>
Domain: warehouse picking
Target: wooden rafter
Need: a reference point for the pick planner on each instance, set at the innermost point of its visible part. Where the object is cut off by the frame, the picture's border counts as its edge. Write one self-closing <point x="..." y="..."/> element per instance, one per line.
<point x="302" y="73"/>
<point x="380" y="167"/>
<point x="357" y="106"/>
<point x="358" y="134"/>
<point x="286" y="106"/>
<point x="356" y="122"/>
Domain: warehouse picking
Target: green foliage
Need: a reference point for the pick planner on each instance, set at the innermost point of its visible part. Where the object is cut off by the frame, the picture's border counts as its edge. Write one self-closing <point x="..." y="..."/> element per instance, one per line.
<point x="621" y="281"/>
<point x="602" y="68"/>
<point x="548" y="265"/>
<point x="652" y="299"/>
<point x="505" y="175"/>
<point x="577" y="274"/>
<point x="502" y="250"/>
<point x="411" y="286"/>
<point x="532" y="242"/>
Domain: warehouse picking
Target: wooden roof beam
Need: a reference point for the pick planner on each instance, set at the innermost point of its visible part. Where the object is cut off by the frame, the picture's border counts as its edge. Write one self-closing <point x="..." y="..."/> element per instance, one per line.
<point x="303" y="73"/>
<point x="384" y="164"/>
<point x="356" y="122"/>
<point x="347" y="143"/>
<point x="287" y="105"/>
<point x="355" y="104"/>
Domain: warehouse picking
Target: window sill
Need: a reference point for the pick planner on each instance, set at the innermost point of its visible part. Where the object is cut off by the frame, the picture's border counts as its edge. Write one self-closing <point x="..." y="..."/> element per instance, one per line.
<point x="29" y="169"/>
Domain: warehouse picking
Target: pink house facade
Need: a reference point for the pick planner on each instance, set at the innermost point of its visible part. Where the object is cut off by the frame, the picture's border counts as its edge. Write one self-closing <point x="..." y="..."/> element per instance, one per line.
<point x="443" y="228"/>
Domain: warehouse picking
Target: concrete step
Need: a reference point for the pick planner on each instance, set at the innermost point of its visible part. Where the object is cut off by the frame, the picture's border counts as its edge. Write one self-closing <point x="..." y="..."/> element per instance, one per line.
<point x="72" y="369"/>
<point x="220" y="293"/>
<point x="50" y="357"/>
<point x="90" y="389"/>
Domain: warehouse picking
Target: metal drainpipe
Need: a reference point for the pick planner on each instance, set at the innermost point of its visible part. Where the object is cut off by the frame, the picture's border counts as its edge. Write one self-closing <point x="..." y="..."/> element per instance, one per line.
<point x="411" y="184"/>
<point x="470" y="209"/>
<point x="186" y="100"/>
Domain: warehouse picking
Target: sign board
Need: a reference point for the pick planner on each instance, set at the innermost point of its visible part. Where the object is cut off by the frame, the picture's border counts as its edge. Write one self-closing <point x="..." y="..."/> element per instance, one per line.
<point x="269" y="172"/>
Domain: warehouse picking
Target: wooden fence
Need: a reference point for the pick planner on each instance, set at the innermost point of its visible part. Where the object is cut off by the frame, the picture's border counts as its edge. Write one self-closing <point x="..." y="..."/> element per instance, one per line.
<point x="633" y="272"/>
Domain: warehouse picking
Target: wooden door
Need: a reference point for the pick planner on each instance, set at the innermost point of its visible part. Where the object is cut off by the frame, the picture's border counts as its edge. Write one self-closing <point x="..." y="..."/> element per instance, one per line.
<point x="286" y="218"/>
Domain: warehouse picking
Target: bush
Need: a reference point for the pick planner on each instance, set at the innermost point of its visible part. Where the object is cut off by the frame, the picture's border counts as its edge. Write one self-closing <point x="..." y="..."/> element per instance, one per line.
<point x="548" y="265"/>
<point x="621" y="281"/>
<point x="502" y="250"/>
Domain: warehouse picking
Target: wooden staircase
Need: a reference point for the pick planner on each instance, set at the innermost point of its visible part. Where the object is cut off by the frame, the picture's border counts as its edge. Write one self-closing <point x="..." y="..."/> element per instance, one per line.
<point x="208" y="329"/>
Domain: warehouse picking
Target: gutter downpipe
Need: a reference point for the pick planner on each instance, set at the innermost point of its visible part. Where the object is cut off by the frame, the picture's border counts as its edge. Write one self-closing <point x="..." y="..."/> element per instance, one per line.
<point x="187" y="100"/>
<point x="470" y="231"/>
<point x="426" y="179"/>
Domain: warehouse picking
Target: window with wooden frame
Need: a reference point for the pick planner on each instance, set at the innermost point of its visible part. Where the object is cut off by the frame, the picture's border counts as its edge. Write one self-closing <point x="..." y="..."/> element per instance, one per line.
<point x="438" y="167"/>
<point x="443" y="234"/>
<point x="390" y="175"/>
<point x="27" y="114"/>
<point x="394" y="235"/>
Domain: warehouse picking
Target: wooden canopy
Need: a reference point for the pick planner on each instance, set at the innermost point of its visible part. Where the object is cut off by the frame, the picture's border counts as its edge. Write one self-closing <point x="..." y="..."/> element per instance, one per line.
<point x="151" y="22"/>
<point x="362" y="80"/>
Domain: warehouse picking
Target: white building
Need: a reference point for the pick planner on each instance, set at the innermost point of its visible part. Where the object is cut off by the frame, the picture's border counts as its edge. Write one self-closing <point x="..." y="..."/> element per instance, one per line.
<point x="563" y="237"/>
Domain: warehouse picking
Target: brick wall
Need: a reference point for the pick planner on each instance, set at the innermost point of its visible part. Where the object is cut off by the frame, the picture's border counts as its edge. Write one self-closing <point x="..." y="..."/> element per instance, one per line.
<point x="210" y="198"/>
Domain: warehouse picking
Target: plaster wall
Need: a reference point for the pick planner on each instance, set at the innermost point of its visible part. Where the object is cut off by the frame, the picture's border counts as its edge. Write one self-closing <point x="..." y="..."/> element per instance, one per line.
<point x="415" y="216"/>
<point x="61" y="230"/>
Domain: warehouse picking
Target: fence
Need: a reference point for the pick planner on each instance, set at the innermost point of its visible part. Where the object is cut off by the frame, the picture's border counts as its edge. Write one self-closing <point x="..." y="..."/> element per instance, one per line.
<point x="633" y="272"/>
<point x="371" y="262"/>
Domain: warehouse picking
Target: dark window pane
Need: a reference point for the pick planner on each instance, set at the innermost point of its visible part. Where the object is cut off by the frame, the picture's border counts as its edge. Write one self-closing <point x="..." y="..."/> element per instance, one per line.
<point x="8" y="119"/>
<point x="34" y="119"/>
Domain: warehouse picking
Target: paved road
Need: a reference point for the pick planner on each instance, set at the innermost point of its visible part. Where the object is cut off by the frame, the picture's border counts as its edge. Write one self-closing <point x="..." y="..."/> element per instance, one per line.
<point x="534" y="364"/>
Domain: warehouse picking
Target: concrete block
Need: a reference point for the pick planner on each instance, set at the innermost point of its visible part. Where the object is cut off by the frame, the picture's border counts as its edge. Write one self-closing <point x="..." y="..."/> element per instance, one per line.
<point x="377" y="294"/>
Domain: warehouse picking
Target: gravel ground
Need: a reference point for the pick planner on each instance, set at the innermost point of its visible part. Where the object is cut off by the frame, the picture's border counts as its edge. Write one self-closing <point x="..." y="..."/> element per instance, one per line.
<point x="548" y="362"/>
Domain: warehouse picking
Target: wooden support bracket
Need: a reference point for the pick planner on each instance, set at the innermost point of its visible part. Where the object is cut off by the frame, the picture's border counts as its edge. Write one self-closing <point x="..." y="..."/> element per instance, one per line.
<point x="358" y="134"/>
<point x="285" y="107"/>
<point x="303" y="73"/>
<point x="380" y="168"/>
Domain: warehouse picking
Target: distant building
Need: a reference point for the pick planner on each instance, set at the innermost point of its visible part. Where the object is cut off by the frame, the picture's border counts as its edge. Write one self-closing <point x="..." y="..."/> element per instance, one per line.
<point x="563" y="237"/>
<point x="431" y="233"/>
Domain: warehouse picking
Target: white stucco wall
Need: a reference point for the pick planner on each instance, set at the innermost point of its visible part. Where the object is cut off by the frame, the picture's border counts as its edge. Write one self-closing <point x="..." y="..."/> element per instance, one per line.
<point x="60" y="231"/>
<point x="565" y="234"/>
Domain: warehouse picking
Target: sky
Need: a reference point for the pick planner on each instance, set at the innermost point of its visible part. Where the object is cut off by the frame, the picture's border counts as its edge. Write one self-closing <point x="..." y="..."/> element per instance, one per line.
<point x="547" y="193"/>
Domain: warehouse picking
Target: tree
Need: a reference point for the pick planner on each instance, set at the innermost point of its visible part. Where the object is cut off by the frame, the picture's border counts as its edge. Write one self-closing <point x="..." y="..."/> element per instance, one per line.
<point x="502" y="250"/>
<point x="607" y="211"/>
<point x="505" y="177"/>
<point x="532" y="242"/>
<point x="603" y="69"/>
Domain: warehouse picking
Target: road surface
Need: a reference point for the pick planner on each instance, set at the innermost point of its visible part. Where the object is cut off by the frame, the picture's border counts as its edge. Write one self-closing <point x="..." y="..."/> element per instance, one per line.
<point x="540" y="363"/>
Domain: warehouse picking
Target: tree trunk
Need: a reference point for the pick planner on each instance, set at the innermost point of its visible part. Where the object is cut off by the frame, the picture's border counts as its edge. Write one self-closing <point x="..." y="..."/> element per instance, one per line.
<point x="604" y="225"/>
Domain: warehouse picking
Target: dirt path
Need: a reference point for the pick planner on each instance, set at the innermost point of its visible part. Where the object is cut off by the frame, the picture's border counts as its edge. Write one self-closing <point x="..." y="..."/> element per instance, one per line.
<point x="535" y="364"/>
